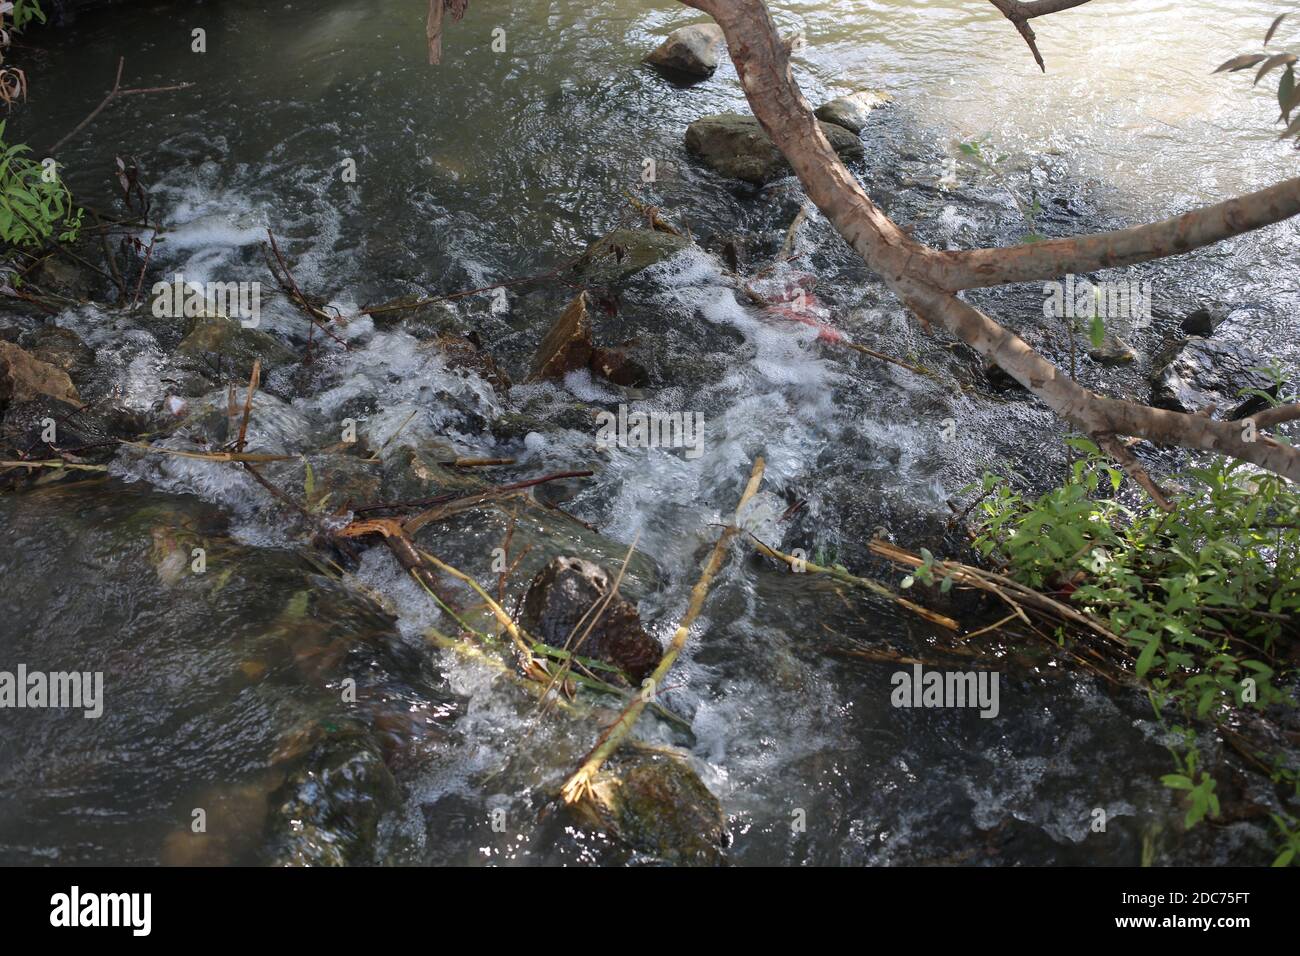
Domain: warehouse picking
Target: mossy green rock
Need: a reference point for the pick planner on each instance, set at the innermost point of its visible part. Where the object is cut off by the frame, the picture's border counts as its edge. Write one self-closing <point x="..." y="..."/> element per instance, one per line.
<point x="237" y="346"/>
<point x="625" y="252"/>
<point x="655" y="803"/>
<point x="736" y="146"/>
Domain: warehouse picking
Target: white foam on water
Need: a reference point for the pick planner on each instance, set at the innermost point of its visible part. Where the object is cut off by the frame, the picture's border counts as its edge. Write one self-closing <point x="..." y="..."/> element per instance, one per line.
<point x="396" y="369"/>
<point x="414" y="610"/>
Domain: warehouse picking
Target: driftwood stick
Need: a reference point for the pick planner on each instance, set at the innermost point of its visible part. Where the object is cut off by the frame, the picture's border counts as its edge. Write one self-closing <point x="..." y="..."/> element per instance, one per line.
<point x="579" y="785"/>
<point x="864" y="583"/>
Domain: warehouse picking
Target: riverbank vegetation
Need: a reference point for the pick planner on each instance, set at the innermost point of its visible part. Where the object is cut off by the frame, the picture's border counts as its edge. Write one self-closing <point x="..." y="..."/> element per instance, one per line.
<point x="1200" y="604"/>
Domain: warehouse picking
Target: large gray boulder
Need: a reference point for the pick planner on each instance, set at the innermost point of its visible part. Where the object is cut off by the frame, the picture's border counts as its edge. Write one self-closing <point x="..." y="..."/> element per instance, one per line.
<point x="735" y="145"/>
<point x="689" y="52"/>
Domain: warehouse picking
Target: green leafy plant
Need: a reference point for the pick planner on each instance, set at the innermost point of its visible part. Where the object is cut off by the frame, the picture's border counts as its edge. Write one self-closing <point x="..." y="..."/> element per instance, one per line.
<point x="981" y="155"/>
<point x="1206" y="597"/>
<point x="1288" y="91"/>
<point x="35" y="204"/>
<point x="24" y="12"/>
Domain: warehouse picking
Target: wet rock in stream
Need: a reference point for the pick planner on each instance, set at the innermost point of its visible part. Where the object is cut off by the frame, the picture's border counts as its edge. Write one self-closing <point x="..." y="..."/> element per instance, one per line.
<point x="87" y="432"/>
<point x="655" y="803"/>
<point x="558" y="611"/>
<point x="236" y="346"/>
<point x="736" y="146"/>
<point x="1112" y="351"/>
<point x="622" y="253"/>
<point x="689" y="53"/>
<point x="311" y="831"/>
<point x="61" y="348"/>
<point x="463" y="353"/>
<point x="853" y="112"/>
<point x="1204" y="320"/>
<point x="255" y="689"/>
<point x="568" y="347"/>
<point x="1198" y="373"/>
<point x="24" y="377"/>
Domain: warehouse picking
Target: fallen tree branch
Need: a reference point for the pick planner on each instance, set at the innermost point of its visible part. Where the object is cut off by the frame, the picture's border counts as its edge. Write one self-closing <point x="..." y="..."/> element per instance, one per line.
<point x="865" y="583"/>
<point x="113" y="94"/>
<point x="1053" y="258"/>
<point x="53" y="463"/>
<point x="454" y="496"/>
<point x="433" y="25"/>
<point x="1020" y="13"/>
<point x="289" y="285"/>
<point x="924" y="278"/>
<point x="1014" y="594"/>
<point x="578" y="786"/>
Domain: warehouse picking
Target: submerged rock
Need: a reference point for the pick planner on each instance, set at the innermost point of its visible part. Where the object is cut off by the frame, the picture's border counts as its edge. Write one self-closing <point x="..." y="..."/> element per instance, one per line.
<point x="568" y="346"/>
<point x="327" y="813"/>
<point x="1112" y="351"/>
<point x="237" y="346"/>
<point x="411" y="472"/>
<point x="736" y="145"/>
<point x="1201" y="372"/>
<point x="464" y="353"/>
<point x="657" y="804"/>
<point x="336" y="483"/>
<point x="226" y="680"/>
<point x="23" y="378"/>
<point x="558" y="601"/>
<point x="60" y="347"/>
<point x="414" y="315"/>
<point x="620" y="254"/>
<point x="86" y="432"/>
<point x="689" y="52"/>
<point x="852" y="111"/>
<point x="617" y="367"/>
<point x="1204" y="321"/>
<point x="539" y="414"/>
<point x="71" y="280"/>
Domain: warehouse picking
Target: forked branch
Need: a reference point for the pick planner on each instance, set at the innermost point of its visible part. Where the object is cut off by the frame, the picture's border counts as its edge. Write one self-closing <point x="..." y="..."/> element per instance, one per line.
<point x="925" y="278"/>
<point x="1020" y="13"/>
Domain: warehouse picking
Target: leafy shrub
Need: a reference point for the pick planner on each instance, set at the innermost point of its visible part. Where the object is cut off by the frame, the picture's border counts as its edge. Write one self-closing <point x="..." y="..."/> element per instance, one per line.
<point x="35" y="204"/>
<point x="1207" y="597"/>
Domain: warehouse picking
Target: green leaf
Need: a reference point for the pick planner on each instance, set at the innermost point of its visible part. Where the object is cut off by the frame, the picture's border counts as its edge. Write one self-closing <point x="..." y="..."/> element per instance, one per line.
<point x="1147" y="657"/>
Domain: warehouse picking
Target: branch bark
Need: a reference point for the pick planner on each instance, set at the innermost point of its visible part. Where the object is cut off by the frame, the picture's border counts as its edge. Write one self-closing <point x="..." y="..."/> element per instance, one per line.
<point x="1020" y="13"/>
<point x="925" y="278"/>
<point x="976" y="268"/>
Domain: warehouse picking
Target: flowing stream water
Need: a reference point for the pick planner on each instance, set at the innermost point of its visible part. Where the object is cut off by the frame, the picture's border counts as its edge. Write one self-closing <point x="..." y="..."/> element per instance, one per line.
<point x="223" y="694"/>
